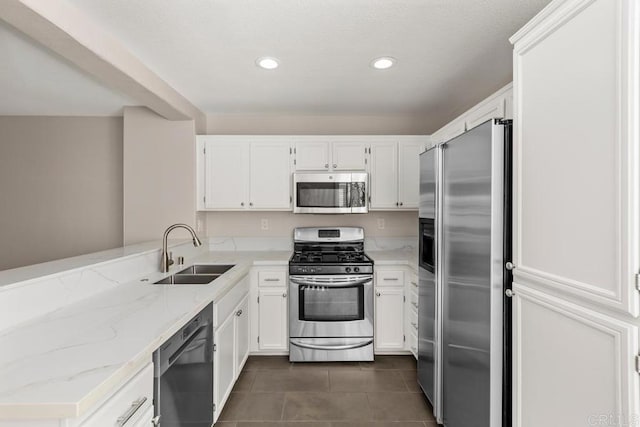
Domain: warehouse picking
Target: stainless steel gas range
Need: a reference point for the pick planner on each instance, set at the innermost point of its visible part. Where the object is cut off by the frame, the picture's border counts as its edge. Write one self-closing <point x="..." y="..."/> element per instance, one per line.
<point x="331" y="296"/>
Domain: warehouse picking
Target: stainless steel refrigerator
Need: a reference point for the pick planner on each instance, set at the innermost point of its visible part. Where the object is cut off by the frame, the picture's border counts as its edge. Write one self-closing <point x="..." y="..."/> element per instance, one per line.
<point x="464" y="359"/>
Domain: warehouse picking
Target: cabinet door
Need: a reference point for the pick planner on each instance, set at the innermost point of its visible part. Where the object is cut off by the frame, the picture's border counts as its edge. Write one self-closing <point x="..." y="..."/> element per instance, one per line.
<point x="242" y="334"/>
<point x="224" y="374"/>
<point x="312" y="155"/>
<point x="409" y="174"/>
<point x="270" y="175"/>
<point x="572" y="365"/>
<point x="389" y="334"/>
<point x="227" y="175"/>
<point x="384" y="176"/>
<point x="349" y="155"/>
<point x="273" y="332"/>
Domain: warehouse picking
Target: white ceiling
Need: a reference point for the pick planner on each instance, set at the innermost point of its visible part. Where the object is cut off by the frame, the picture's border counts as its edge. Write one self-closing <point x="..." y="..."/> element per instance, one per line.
<point x="35" y="81"/>
<point x="451" y="53"/>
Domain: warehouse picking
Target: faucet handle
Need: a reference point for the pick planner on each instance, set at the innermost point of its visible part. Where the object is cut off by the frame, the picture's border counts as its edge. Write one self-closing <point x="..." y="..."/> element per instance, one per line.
<point x="170" y="258"/>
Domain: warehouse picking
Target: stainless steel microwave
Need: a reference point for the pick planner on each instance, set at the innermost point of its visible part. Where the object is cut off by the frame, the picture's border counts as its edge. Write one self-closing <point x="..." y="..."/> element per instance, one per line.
<point x="330" y="193"/>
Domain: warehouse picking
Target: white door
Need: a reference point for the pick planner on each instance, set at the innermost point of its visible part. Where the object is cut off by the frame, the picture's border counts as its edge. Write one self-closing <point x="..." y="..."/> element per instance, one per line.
<point x="384" y="176"/>
<point x="389" y="314"/>
<point x="409" y="174"/>
<point x="227" y="175"/>
<point x="348" y="155"/>
<point x="312" y="155"/>
<point x="224" y="374"/>
<point x="273" y="326"/>
<point x="242" y="334"/>
<point x="270" y="175"/>
<point x="576" y="216"/>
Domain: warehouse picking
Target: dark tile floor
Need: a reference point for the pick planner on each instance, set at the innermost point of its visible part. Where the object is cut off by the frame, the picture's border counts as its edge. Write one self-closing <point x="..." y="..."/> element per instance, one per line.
<point x="273" y="392"/>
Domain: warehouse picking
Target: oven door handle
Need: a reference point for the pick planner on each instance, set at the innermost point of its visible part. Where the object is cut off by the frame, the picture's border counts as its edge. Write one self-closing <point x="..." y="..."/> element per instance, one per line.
<point x="331" y="347"/>
<point x="358" y="281"/>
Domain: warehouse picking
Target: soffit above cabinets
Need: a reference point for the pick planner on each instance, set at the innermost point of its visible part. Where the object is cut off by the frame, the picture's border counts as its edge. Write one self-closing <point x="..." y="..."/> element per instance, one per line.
<point x="450" y="53"/>
<point x="35" y="81"/>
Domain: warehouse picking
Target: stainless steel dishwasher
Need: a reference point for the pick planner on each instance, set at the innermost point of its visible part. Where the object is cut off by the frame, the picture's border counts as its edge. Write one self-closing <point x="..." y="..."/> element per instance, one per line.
<point x="183" y="375"/>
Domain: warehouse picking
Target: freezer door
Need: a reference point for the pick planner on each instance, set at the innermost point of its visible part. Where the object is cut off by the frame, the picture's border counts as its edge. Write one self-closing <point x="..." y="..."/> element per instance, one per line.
<point x="472" y="214"/>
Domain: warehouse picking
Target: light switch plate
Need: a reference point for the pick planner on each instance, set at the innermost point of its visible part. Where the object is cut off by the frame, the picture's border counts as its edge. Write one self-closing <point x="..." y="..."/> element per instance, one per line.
<point x="381" y="223"/>
<point x="264" y="224"/>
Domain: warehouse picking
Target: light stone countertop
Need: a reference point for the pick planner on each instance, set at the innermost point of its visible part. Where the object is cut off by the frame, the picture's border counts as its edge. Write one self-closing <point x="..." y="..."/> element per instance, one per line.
<point x="59" y="365"/>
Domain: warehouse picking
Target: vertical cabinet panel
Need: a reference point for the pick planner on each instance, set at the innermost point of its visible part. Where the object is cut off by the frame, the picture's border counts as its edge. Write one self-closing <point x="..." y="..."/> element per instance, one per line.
<point x="572" y="365"/>
<point x="576" y="189"/>
<point x="226" y="175"/>
<point x="224" y="374"/>
<point x="409" y="174"/>
<point x="270" y="175"/>
<point x="389" y="321"/>
<point x="273" y="322"/>
<point x="242" y="334"/>
<point x="348" y="156"/>
<point x="384" y="175"/>
<point x="312" y="155"/>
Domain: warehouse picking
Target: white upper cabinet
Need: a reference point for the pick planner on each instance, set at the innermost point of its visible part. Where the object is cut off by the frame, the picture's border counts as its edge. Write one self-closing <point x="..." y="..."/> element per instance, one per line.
<point x="395" y="174"/>
<point x="409" y="174"/>
<point x="576" y="151"/>
<point x="349" y="155"/>
<point x="270" y="175"/>
<point x="312" y="155"/>
<point x="346" y="154"/>
<point x="384" y="175"/>
<point x="237" y="173"/>
<point x="226" y="175"/>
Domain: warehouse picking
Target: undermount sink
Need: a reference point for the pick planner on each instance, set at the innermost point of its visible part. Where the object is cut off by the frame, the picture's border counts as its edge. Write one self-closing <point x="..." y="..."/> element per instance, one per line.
<point x="199" y="274"/>
<point x="206" y="269"/>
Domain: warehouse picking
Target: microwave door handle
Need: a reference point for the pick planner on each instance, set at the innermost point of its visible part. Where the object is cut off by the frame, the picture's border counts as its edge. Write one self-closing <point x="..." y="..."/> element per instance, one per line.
<point x="331" y="347"/>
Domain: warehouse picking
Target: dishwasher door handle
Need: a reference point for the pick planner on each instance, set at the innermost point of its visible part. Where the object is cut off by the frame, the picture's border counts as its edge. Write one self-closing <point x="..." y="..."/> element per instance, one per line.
<point x="331" y="347"/>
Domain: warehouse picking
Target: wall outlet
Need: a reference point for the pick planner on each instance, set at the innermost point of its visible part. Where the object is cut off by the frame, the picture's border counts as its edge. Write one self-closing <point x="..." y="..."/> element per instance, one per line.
<point x="264" y="224"/>
<point x="380" y="223"/>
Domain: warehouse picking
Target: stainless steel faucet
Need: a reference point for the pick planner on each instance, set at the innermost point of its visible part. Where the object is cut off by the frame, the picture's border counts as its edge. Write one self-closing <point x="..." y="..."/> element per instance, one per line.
<point x="166" y="260"/>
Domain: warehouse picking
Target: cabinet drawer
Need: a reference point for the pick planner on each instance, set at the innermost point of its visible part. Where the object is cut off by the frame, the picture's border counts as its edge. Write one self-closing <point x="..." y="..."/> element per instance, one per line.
<point x="272" y="278"/>
<point x="128" y="405"/>
<point x="413" y="321"/>
<point x="223" y="308"/>
<point x="389" y="278"/>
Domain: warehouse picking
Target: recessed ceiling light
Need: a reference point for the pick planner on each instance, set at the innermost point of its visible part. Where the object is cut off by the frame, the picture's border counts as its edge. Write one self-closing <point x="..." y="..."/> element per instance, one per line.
<point x="267" y="63"/>
<point x="383" y="63"/>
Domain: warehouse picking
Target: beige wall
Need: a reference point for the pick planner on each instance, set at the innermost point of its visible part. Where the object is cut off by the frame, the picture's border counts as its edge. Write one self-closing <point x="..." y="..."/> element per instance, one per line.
<point x="281" y="224"/>
<point x="60" y="187"/>
<point x="159" y="174"/>
<point x="282" y="124"/>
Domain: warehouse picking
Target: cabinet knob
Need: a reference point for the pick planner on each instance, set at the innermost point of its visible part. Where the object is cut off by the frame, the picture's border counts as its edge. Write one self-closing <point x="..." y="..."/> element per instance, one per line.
<point x="396" y="203"/>
<point x="284" y="295"/>
<point x="335" y="165"/>
<point x="239" y="313"/>
<point x="377" y="294"/>
<point x="250" y="204"/>
<point x="326" y="165"/>
<point x="400" y="203"/>
<point x="242" y="204"/>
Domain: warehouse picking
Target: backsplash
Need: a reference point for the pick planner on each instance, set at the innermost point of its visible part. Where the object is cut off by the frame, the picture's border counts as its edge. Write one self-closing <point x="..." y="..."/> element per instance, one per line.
<point x="374" y="243"/>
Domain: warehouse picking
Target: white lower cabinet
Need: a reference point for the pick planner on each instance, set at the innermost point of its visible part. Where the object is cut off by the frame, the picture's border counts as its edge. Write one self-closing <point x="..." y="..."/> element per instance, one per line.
<point x="223" y="363"/>
<point x="130" y="406"/>
<point x="389" y="335"/>
<point x="242" y="334"/>
<point x="273" y="308"/>
<point x="572" y="366"/>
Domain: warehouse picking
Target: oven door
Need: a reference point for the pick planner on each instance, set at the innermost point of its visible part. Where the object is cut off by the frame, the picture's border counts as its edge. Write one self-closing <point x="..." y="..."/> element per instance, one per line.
<point x="331" y="306"/>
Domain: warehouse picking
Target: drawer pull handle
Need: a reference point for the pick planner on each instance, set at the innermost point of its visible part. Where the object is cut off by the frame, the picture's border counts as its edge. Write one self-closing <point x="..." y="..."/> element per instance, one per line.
<point x="415" y="325"/>
<point x="414" y="283"/>
<point x="124" y="418"/>
<point x="391" y="279"/>
<point x="271" y="280"/>
<point x="414" y="304"/>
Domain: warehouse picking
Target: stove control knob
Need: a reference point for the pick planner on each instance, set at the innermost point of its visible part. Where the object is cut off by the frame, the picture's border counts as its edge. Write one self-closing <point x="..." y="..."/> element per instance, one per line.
<point x="348" y="269"/>
<point x="356" y="269"/>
